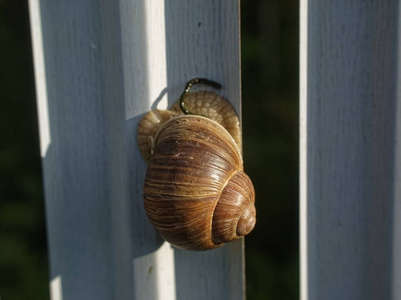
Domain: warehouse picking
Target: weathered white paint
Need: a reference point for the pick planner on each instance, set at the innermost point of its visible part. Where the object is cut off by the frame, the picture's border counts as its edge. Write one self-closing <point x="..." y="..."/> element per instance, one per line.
<point x="303" y="66"/>
<point x="99" y="66"/>
<point x="154" y="275"/>
<point x="40" y="75"/>
<point x="350" y="153"/>
<point x="56" y="288"/>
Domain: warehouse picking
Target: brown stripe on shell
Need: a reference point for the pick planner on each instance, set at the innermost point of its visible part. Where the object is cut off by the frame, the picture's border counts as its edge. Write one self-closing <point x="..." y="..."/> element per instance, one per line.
<point x="192" y="161"/>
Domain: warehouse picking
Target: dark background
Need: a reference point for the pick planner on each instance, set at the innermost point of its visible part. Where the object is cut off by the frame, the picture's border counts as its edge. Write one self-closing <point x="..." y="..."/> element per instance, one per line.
<point x="270" y="130"/>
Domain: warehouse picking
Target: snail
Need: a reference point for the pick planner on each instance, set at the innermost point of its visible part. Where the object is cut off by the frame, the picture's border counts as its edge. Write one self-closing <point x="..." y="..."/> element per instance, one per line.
<point x="196" y="193"/>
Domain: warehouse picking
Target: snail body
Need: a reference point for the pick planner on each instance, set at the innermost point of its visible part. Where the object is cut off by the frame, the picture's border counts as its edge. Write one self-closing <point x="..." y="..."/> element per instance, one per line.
<point x="196" y="194"/>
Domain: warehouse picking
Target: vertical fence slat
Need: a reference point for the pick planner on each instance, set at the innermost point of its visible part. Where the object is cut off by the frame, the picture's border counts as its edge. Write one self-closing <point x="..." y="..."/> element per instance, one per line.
<point x="303" y="207"/>
<point x="211" y="28"/>
<point x="99" y="65"/>
<point x="350" y="149"/>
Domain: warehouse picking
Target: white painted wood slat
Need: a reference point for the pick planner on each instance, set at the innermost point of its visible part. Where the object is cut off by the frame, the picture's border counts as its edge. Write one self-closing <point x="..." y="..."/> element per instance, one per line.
<point x="350" y="149"/>
<point x="99" y="66"/>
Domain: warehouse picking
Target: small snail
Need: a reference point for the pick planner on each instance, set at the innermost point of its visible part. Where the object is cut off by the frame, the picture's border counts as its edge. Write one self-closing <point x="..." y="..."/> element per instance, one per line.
<point x="196" y="194"/>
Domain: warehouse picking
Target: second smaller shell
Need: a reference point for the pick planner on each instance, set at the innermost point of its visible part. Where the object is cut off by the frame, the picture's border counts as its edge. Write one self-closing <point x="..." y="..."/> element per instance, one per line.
<point x="203" y="103"/>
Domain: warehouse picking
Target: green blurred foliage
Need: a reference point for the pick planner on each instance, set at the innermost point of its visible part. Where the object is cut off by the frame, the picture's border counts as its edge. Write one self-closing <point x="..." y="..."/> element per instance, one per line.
<point x="270" y="131"/>
<point x="270" y="114"/>
<point x="23" y="254"/>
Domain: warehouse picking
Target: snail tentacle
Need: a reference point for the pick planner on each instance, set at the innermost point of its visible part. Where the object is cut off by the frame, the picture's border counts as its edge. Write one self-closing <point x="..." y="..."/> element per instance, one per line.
<point x="203" y="103"/>
<point x="188" y="88"/>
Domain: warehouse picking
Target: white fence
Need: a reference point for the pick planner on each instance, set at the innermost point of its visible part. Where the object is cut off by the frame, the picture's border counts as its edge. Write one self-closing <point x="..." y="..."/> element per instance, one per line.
<point x="100" y="65"/>
<point x="350" y="150"/>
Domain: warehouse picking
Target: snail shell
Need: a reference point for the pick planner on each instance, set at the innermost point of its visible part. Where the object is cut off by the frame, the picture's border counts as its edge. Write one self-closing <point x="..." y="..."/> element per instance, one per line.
<point x="196" y="194"/>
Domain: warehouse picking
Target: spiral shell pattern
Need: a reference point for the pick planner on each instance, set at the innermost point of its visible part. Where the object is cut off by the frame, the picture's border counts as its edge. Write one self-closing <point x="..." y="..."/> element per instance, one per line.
<point x="196" y="193"/>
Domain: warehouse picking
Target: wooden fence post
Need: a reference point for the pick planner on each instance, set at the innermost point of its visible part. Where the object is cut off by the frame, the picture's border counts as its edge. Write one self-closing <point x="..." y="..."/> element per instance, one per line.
<point x="99" y="66"/>
<point x="350" y="150"/>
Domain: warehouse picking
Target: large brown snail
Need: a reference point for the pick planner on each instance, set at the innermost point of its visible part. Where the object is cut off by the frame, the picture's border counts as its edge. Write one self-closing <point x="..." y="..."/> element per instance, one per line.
<point x="196" y="194"/>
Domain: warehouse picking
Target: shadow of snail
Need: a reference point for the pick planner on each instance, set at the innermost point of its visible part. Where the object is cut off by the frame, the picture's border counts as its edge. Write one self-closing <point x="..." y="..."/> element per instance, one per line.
<point x="196" y="194"/>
